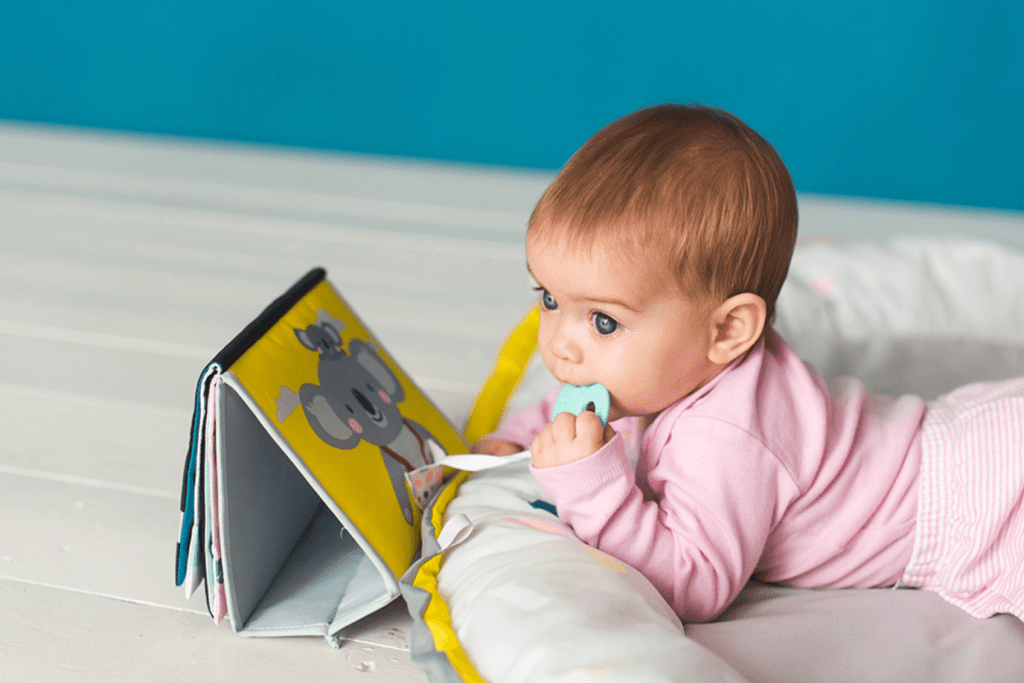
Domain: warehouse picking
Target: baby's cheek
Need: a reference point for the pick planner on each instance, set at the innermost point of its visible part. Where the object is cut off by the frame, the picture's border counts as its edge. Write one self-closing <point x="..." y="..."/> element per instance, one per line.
<point x="635" y="398"/>
<point x="623" y="388"/>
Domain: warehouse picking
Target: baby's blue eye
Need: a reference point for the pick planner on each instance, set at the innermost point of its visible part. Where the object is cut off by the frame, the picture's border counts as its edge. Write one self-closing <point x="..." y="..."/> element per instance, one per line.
<point x="605" y="324"/>
<point x="547" y="300"/>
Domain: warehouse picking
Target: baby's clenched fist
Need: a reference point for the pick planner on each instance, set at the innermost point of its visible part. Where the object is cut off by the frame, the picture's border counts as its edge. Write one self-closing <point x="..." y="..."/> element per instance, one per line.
<point x="568" y="438"/>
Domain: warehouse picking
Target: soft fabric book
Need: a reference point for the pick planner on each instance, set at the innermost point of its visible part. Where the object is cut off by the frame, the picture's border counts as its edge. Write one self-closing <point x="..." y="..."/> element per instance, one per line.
<point x="296" y="509"/>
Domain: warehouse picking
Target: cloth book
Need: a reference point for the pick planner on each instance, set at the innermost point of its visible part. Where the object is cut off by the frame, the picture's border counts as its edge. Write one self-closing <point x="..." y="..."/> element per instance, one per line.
<point x="297" y="509"/>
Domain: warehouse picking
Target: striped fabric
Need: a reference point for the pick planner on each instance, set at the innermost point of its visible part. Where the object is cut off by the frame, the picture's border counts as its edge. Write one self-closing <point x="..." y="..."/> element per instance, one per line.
<point x="969" y="543"/>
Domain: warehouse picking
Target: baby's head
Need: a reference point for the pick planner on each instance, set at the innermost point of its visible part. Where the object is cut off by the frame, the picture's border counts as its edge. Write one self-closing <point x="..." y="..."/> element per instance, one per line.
<point x="688" y="186"/>
<point x="686" y="217"/>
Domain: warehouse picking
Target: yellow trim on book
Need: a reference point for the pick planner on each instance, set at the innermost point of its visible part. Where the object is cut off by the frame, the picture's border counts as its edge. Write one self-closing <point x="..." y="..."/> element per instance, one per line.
<point x="508" y="372"/>
<point x="436" y="615"/>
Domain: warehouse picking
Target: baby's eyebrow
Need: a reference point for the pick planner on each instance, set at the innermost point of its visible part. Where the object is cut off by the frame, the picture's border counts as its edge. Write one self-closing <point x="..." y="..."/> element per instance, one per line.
<point x="623" y="304"/>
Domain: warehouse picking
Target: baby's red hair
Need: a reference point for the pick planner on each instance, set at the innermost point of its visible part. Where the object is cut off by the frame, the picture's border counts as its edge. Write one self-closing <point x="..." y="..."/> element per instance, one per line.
<point x="690" y="182"/>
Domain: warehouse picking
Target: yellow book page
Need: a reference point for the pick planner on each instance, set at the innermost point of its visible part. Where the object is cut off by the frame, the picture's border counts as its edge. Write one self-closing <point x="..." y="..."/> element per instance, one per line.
<point x="352" y="415"/>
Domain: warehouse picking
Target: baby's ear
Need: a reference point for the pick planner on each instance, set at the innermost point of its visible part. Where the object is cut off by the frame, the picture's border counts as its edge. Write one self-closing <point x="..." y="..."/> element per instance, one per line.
<point x="737" y="325"/>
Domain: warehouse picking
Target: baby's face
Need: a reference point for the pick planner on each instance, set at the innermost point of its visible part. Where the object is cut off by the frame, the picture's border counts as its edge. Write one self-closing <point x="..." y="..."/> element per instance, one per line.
<point x="619" y="322"/>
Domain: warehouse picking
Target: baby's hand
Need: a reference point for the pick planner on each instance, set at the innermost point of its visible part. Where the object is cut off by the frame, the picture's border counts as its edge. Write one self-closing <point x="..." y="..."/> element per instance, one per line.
<point x="569" y="438"/>
<point x="496" y="447"/>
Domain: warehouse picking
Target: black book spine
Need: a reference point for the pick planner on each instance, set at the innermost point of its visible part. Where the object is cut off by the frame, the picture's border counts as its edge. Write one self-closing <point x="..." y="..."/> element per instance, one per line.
<point x="267" y="319"/>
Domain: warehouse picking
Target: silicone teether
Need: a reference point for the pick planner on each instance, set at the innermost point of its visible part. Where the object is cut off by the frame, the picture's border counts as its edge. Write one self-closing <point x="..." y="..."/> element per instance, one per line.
<point x="574" y="399"/>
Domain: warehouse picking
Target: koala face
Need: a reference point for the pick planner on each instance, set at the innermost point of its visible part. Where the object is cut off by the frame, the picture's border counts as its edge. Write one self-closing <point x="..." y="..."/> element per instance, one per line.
<point x="363" y="393"/>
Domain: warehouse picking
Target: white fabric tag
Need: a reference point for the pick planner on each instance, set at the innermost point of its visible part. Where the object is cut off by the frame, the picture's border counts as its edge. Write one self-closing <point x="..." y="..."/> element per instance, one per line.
<point x="477" y="462"/>
<point x="455" y="531"/>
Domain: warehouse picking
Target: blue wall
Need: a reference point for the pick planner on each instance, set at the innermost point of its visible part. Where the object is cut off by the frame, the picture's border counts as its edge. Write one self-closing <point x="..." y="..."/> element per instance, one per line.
<point x="920" y="100"/>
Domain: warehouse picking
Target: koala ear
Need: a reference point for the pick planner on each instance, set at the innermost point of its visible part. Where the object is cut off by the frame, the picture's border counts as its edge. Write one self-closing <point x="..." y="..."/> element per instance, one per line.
<point x="366" y="356"/>
<point x="305" y="340"/>
<point x="332" y="334"/>
<point x="325" y="317"/>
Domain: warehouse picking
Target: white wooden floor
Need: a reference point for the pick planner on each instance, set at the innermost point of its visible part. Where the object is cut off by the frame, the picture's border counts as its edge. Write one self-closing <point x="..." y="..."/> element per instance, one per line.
<point x="125" y="264"/>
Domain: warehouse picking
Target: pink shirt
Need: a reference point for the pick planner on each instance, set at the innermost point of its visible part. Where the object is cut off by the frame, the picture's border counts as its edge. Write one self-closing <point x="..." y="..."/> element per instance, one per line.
<point x="766" y="471"/>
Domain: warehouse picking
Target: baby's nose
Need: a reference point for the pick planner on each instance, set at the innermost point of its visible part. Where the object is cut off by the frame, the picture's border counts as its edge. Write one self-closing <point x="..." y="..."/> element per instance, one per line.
<point x="565" y="345"/>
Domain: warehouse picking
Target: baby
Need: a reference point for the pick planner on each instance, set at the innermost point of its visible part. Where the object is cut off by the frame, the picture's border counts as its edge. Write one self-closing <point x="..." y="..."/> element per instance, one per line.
<point x="659" y="251"/>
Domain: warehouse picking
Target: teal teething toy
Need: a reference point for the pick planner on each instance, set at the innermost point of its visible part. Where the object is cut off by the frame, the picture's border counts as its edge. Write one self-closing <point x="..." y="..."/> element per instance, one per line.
<point x="574" y="399"/>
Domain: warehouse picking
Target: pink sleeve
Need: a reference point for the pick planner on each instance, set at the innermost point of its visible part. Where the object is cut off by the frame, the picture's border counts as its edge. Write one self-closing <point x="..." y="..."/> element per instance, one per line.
<point x="701" y="542"/>
<point x="521" y="427"/>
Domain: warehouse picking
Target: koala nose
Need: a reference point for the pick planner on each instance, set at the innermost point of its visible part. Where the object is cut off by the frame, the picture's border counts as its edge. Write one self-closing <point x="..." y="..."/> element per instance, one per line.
<point x="364" y="402"/>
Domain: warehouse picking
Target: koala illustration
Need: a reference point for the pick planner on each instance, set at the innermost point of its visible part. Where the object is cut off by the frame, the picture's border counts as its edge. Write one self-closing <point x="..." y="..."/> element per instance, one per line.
<point x="357" y="400"/>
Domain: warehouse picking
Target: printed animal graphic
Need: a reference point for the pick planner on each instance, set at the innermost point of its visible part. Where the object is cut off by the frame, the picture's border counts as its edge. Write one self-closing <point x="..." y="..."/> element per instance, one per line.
<point x="357" y="400"/>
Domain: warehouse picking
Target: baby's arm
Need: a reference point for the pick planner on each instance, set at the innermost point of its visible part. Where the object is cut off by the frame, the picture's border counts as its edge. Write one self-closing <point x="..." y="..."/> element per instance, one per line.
<point x="701" y="540"/>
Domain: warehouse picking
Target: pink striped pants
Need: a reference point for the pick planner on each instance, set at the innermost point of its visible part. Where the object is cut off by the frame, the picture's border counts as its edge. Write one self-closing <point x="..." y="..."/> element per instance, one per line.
<point x="969" y="541"/>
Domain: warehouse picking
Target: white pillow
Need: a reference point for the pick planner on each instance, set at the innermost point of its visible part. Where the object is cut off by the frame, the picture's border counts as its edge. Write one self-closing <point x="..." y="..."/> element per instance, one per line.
<point x="913" y="315"/>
